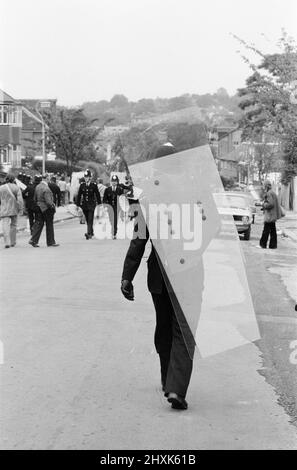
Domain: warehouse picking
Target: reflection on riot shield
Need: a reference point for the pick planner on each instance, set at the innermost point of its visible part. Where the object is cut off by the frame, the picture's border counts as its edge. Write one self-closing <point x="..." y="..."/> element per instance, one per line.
<point x="199" y="252"/>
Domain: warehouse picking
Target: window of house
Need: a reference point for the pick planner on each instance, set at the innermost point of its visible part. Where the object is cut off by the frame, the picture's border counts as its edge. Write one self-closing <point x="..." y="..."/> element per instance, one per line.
<point x="10" y="114"/>
<point x="4" y="156"/>
<point x="4" y="111"/>
<point x="14" y="115"/>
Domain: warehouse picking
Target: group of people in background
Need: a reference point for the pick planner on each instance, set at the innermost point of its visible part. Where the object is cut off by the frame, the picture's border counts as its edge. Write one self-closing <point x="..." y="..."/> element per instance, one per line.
<point x="60" y="183"/>
<point x="39" y="196"/>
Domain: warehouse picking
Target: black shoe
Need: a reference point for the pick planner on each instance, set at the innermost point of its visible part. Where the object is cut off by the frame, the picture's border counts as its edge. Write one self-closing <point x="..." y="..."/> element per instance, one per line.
<point x="54" y="244"/>
<point x="33" y="244"/>
<point x="177" y="402"/>
<point x="7" y="246"/>
<point x="87" y="236"/>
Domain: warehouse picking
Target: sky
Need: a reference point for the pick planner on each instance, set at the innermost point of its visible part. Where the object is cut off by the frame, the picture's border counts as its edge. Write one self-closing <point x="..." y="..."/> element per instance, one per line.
<point x="89" y="50"/>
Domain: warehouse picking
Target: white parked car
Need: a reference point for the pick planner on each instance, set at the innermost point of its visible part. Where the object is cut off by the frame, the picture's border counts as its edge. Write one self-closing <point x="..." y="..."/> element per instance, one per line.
<point x="239" y="206"/>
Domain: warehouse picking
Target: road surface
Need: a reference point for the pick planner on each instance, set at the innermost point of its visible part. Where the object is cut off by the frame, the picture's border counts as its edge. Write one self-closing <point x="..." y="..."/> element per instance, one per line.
<point x="80" y="371"/>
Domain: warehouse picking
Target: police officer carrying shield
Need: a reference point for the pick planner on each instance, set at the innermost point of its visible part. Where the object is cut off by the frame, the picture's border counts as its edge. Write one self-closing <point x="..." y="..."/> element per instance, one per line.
<point x="88" y="197"/>
<point x="174" y="340"/>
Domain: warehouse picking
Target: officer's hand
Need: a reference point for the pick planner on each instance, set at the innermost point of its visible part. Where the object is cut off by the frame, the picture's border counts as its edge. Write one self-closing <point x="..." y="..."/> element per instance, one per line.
<point x="127" y="289"/>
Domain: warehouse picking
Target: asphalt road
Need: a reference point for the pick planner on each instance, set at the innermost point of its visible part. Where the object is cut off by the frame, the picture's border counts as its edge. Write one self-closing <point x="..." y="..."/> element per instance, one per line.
<point x="272" y="276"/>
<point x="80" y="371"/>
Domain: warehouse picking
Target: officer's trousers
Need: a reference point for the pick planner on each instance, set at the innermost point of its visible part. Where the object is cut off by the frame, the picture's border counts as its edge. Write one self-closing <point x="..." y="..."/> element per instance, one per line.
<point x="176" y="363"/>
<point x="89" y="215"/>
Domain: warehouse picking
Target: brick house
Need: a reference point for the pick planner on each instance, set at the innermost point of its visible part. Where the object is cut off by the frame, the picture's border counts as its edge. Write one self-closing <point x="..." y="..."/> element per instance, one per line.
<point x="20" y="129"/>
<point x="10" y="131"/>
<point x="225" y="142"/>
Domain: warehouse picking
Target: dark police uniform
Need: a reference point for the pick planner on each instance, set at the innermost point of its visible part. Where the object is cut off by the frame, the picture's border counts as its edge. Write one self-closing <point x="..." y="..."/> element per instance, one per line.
<point x="174" y="341"/>
<point x="88" y="197"/>
<point x="111" y="197"/>
<point x="175" y="355"/>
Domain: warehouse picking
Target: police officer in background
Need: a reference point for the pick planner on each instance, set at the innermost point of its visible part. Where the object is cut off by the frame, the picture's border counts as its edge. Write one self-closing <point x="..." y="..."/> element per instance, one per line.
<point x="88" y="197"/>
<point x="111" y="197"/>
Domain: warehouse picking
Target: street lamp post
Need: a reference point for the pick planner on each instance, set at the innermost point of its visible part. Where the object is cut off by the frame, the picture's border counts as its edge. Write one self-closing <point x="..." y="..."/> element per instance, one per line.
<point x="42" y="104"/>
<point x="43" y="138"/>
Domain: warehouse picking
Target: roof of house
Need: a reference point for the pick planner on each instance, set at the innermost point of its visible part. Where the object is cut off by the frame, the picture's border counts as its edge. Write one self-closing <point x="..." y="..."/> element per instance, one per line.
<point x="6" y="98"/>
<point x="33" y="103"/>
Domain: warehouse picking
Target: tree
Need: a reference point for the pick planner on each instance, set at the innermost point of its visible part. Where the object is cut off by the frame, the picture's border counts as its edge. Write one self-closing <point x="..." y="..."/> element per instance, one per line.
<point x="289" y="159"/>
<point x="180" y="102"/>
<point x="119" y="101"/>
<point x="222" y="92"/>
<point x="144" y="106"/>
<point x="266" y="158"/>
<point x="119" y="163"/>
<point x="268" y="102"/>
<point x="72" y="135"/>
<point x="96" y="110"/>
<point x="184" y="135"/>
<point x="139" y="143"/>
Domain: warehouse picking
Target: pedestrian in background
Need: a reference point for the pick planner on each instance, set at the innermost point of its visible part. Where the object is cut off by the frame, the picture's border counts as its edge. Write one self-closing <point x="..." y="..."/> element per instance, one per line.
<point x="67" y="193"/>
<point x="81" y="215"/>
<point x="55" y="190"/>
<point x="30" y="202"/>
<point x="272" y="212"/>
<point x="101" y="189"/>
<point x="44" y="215"/>
<point x="63" y="186"/>
<point x="11" y="205"/>
<point x="88" y="197"/>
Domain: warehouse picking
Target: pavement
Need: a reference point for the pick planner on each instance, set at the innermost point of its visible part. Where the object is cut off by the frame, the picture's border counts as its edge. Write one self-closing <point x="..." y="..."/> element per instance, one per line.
<point x="80" y="370"/>
<point x="288" y="225"/>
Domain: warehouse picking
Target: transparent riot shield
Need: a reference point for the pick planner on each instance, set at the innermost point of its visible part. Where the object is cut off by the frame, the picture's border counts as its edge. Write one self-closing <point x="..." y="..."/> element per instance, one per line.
<point x="198" y="250"/>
